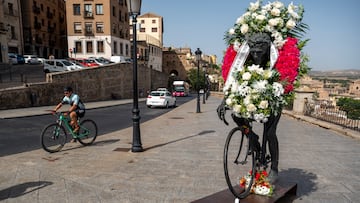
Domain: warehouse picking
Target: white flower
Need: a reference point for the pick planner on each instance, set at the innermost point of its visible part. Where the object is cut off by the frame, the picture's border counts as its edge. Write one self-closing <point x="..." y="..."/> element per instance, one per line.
<point x="260" y="17"/>
<point x="237" y="108"/>
<point x="262" y="190"/>
<point x="290" y="24"/>
<point x="246" y="76"/>
<point x="278" y="4"/>
<point x="260" y="85"/>
<point x="228" y="101"/>
<point x="275" y="12"/>
<point x="278" y="89"/>
<point x="254" y="6"/>
<point x="268" y="73"/>
<point x="232" y="31"/>
<point x="244" y="28"/>
<point x="264" y="104"/>
<point x="251" y="107"/>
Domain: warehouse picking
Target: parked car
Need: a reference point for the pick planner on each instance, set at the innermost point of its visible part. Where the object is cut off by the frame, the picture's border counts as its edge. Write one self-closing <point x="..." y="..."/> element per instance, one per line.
<point x="162" y="89"/>
<point x="101" y="60"/>
<point x="160" y="99"/>
<point x="87" y="62"/>
<point x="12" y="59"/>
<point x="32" y="59"/>
<point x="120" y="59"/>
<point x="58" y="65"/>
<point x="19" y="58"/>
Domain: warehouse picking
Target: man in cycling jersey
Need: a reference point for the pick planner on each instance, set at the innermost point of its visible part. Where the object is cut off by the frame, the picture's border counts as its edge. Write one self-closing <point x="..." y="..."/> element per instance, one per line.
<point x="77" y="108"/>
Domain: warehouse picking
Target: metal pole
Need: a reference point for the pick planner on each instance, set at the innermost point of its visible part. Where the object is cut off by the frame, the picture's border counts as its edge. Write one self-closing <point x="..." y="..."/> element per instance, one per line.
<point x="136" y="144"/>
<point x="197" y="88"/>
<point x="204" y="89"/>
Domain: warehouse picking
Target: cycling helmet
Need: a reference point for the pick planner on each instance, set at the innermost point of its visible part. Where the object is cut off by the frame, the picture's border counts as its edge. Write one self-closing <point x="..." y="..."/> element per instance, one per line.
<point x="68" y="89"/>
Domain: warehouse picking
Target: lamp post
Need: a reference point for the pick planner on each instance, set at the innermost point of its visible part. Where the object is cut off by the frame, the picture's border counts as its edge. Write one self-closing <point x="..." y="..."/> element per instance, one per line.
<point x="198" y="58"/>
<point x="204" y="93"/>
<point x="134" y="11"/>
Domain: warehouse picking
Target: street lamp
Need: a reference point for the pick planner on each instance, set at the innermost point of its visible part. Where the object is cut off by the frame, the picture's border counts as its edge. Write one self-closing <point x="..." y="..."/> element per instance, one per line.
<point x="204" y="89"/>
<point x="198" y="58"/>
<point x="134" y="10"/>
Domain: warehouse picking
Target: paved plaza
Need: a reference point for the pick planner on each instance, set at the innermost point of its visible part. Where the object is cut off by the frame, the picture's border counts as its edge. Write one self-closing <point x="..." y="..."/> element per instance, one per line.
<point x="181" y="162"/>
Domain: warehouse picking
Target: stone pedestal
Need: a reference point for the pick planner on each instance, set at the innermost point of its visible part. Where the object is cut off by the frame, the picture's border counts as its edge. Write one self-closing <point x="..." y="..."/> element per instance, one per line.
<point x="282" y="190"/>
<point x="301" y="97"/>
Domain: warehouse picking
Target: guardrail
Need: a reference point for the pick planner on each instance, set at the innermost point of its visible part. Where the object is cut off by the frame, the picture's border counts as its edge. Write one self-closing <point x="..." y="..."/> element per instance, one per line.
<point x="332" y="114"/>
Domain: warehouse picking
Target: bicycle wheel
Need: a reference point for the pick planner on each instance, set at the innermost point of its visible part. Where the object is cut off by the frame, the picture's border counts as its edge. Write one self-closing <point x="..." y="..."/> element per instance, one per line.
<point x="238" y="163"/>
<point x="53" y="138"/>
<point x="87" y="132"/>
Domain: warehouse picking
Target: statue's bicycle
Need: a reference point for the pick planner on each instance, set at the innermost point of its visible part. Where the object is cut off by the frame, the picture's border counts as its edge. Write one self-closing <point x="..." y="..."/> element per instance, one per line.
<point x="243" y="158"/>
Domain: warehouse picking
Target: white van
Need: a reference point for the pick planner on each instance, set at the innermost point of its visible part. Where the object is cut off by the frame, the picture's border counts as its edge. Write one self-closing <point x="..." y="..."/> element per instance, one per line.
<point x="58" y="65"/>
<point x="119" y="59"/>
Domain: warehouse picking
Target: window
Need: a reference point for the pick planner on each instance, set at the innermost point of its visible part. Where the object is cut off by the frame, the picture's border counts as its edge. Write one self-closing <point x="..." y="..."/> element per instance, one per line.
<point x="121" y="48"/>
<point x="88" y="28"/>
<point x="100" y="27"/>
<point x="142" y="29"/>
<point x="78" y="47"/>
<point x="11" y="8"/>
<point x="76" y="9"/>
<point x="153" y="21"/>
<point x="88" y="10"/>
<point x="113" y="11"/>
<point x="77" y="27"/>
<point x="127" y="49"/>
<point x="154" y="29"/>
<point x="100" y="46"/>
<point x="142" y="21"/>
<point x="99" y="9"/>
<point x="89" y="47"/>
<point x="115" y="47"/>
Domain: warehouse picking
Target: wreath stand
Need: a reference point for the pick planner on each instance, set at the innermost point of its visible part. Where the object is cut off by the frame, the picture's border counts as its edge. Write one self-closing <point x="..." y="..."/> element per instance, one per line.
<point x="283" y="189"/>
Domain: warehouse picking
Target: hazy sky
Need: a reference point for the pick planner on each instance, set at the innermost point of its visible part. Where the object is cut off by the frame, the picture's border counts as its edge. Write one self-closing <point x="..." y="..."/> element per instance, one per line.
<point x="334" y="27"/>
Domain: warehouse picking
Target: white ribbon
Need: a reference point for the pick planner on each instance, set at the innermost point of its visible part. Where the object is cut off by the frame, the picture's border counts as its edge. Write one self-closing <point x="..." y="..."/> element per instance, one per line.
<point x="237" y="64"/>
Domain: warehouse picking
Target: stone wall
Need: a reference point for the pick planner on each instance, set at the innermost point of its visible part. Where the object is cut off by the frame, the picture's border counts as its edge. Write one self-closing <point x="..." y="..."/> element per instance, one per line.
<point x="94" y="84"/>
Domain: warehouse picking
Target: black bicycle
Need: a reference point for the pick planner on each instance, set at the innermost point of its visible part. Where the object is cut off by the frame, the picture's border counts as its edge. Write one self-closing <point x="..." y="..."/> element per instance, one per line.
<point x="244" y="157"/>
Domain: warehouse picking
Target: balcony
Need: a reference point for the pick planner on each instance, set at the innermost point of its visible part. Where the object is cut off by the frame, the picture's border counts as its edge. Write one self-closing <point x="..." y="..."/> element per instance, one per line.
<point x="36" y="9"/>
<point x="49" y="14"/>
<point x="88" y="14"/>
<point x="3" y="28"/>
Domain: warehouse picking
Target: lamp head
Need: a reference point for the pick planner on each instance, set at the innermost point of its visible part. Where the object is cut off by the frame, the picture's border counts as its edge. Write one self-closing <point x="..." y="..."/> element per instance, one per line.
<point x="198" y="54"/>
<point x="134" y="7"/>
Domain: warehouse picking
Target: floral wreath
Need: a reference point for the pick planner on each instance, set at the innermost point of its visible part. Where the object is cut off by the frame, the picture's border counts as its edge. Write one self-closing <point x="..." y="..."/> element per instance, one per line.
<point x="263" y="93"/>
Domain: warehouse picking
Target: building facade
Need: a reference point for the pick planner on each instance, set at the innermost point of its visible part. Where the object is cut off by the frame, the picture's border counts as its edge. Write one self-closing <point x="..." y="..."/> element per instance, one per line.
<point x="44" y="27"/>
<point x="97" y="28"/>
<point x="150" y="40"/>
<point x="10" y="29"/>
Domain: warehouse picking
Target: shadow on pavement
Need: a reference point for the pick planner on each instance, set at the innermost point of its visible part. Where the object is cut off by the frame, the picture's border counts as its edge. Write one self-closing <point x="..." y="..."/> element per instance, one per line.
<point x="22" y="189"/>
<point x="178" y="140"/>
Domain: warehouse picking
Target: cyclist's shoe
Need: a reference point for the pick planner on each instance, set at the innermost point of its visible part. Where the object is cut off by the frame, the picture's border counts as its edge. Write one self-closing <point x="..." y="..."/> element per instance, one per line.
<point x="273" y="176"/>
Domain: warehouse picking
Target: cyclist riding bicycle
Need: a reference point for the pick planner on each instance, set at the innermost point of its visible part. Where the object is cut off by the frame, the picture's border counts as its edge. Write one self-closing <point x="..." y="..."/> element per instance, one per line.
<point x="77" y="108"/>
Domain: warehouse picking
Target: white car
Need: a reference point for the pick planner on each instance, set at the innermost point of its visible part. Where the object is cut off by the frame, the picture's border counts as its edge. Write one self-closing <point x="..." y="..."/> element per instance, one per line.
<point x="31" y="59"/>
<point x="160" y="99"/>
<point x="58" y="65"/>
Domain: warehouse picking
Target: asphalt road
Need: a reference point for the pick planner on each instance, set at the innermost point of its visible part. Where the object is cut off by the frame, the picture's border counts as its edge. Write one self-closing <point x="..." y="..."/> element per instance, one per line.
<point x="23" y="134"/>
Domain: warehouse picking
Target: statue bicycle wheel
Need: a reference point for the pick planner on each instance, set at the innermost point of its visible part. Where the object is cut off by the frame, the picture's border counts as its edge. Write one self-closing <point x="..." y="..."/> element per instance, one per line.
<point x="239" y="161"/>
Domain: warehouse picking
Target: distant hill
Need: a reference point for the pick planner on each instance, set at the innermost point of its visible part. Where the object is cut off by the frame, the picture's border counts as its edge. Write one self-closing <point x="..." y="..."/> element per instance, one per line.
<point x="349" y="73"/>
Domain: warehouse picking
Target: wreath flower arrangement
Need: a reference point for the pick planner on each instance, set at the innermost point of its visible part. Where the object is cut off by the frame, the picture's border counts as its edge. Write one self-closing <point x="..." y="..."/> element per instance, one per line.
<point x="255" y="92"/>
<point x="261" y="185"/>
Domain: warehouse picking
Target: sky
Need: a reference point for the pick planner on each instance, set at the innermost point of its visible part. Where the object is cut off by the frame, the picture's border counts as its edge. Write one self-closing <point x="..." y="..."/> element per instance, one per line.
<point x="334" y="28"/>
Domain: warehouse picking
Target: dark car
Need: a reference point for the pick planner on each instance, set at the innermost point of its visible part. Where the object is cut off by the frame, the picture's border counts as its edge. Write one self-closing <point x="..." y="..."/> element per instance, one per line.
<point x="20" y="59"/>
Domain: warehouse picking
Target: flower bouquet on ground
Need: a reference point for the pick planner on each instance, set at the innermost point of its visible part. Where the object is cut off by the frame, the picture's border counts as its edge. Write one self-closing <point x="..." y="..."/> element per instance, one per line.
<point x="261" y="185"/>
